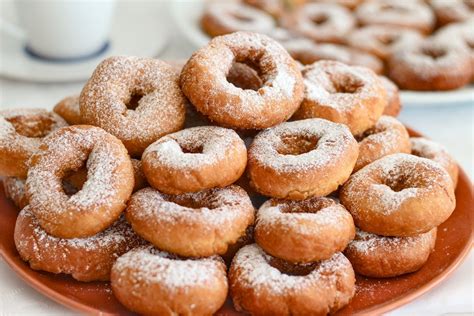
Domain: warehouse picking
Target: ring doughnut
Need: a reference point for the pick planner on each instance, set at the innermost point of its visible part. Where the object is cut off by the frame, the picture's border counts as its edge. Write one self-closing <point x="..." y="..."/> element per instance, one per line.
<point x="320" y="22"/>
<point x="387" y="137"/>
<point x="68" y="109"/>
<point x="307" y="52"/>
<point x="103" y="196"/>
<point x="85" y="259"/>
<point x="383" y="257"/>
<point x="350" y="95"/>
<point x="195" y="159"/>
<point x="414" y="15"/>
<point x="452" y="11"/>
<point x="399" y="195"/>
<point x="264" y="285"/>
<point x="382" y="40"/>
<point x="394" y="105"/>
<point x="15" y="190"/>
<point x="153" y="282"/>
<point x="431" y="65"/>
<point x="426" y="148"/>
<point x="203" y="81"/>
<point x="21" y="133"/>
<point x="222" y="18"/>
<point x="138" y="100"/>
<point x="303" y="231"/>
<point x="192" y="224"/>
<point x="300" y="159"/>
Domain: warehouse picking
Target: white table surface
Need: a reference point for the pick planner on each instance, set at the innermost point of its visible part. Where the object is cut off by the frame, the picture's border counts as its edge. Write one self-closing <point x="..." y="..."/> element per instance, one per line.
<point x="452" y="126"/>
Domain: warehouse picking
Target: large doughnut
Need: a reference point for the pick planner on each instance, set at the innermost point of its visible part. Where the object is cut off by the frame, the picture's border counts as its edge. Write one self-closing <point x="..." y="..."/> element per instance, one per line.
<point x="204" y="82"/>
<point x="301" y="159"/>
<point x="387" y="137"/>
<point x="103" y="196"/>
<point x="320" y="22"/>
<point x="308" y="52"/>
<point x="85" y="259"/>
<point x="153" y="282"/>
<point x="303" y="231"/>
<point x="195" y="159"/>
<point x="68" y="109"/>
<point x="220" y="18"/>
<point x="350" y="95"/>
<point x="399" y="195"/>
<point x="429" y="149"/>
<point x="136" y="99"/>
<point x="414" y="15"/>
<point x="431" y="65"/>
<point x="394" y="105"/>
<point x="191" y="224"/>
<point x="382" y="257"/>
<point x="263" y="285"/>
<point x="15" y="190"/>
<point x="21" y="133"/>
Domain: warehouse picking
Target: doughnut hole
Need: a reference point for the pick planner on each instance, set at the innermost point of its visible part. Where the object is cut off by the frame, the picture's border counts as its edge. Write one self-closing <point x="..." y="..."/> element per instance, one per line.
<point x="297" y="144"/>
<point x="433" y="52"/>
<point x="245" y="76"/>
<point x="343" y="83"/>
<point x="192" y="148"/>
<point x="240" y="17"/>
<point x="289" y="268"/>
<point x="33" y="126"/>
<point x="187" y="200"/>
<point x="74" y="180"/>
<point x="319" y="19"/>
<point x="298" y="207"/>
<point x="387" y="39"/>
<point x="398" y="182"/>
<point x="367" y="133"/>
<point x="134" y="101"/>
<point x="394" y="8"/>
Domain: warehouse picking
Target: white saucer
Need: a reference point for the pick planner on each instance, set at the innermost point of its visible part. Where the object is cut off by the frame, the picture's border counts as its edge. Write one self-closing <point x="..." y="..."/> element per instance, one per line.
<point x="188" y="13"/>
<point x="138" y="29"/>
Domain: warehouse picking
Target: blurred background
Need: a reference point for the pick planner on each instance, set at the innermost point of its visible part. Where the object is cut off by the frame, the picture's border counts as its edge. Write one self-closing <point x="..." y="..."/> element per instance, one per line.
<point x="48" y="49"/>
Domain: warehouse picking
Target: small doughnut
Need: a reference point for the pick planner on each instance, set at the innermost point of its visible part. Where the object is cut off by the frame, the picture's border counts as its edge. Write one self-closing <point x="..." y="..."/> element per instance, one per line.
<point x="222" y="18"/>
<point x="21" y="133"/>
<point x="273" y="7"/>
<point x="414" y="15"/>
<point x="451" y="11"/>
<point x="303" y="231"/>
<point x="204" y="82"/>
<point x="320" y="22"/>
<point x="136" y="99"/>
<point x="394" y="105"/>
<point x="68" y="109"/>
<point x="382" y="40"/>
<point x="399" y="195"/>
<point x="387" y="137"/>
<point x="264" y="285"/>
<point x="431" y="65"/>
<point x="383" y="257"/>
<point x="191" y="224"/>
<point x="426" y="148"/>
<point x="301" y="159"/>
<point x="15" y="190"/>
<point x="103" y="196"/>
<point x="152" y="282"/>
<point x="86" y="259"/>
<point x="307" y="52"/>
<point x="350" y="95"/>
<point x="195" y="159"/>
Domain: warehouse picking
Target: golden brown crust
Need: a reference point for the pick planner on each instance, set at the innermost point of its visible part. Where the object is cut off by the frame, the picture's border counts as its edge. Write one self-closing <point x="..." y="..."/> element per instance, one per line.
<point x="300" y="159"/>
<point x="15" y="190"/>
<point x="399" y="195"/>
<point x="85" y="259"/>
<point x="203" y="81"/>
<point x="153" y="282"/>
<point x="192" y="224"/>
<point x="149" y="86"/>
<point x="102" y="199"/>
<point x="68" y="109"/>
<point x="387" y="137"/>
<point x="195" y="159"/>
<point x="350" y="95"/>
<point x="303" y="231"/>
<point x="21" y="133"/>
<point x="383" y="257"/>
<point x="394" y="105"/>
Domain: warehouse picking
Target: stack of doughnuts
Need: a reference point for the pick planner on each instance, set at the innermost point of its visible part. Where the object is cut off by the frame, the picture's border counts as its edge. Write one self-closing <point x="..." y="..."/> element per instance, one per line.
<point x="420" y="45"/>
<point x="151" y="178"/>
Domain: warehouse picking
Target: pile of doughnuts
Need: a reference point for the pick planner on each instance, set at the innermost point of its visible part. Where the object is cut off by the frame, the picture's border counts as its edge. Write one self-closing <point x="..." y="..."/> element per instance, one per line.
<point x="420" y="45"/>
<point x="112" y="188"/>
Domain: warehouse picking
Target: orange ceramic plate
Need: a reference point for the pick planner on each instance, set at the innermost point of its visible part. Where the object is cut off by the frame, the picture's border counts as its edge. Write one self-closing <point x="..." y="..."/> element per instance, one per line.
<point x="373" y="296"/>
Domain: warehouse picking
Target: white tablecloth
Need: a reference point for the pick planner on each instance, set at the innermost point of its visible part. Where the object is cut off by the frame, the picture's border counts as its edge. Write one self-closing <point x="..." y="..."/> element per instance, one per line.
<point x="452" y="126"/>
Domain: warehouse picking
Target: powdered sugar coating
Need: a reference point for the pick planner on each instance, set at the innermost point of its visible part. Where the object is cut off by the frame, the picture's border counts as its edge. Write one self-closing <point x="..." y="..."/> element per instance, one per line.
<point x="160" y="110"/>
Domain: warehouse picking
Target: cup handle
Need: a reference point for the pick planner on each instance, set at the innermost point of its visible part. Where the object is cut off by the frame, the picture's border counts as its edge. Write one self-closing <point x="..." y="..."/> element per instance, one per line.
<point x="11" y="29"/>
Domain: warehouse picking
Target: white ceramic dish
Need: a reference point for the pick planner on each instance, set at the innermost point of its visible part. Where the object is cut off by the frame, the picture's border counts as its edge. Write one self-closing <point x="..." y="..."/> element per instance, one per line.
<point x="138" y="29"/>
<point x="187" y="14"/>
